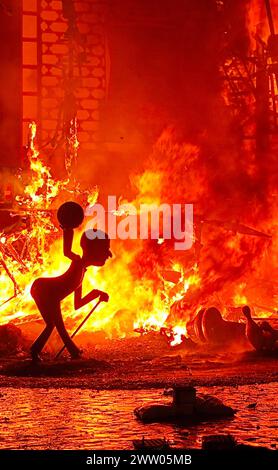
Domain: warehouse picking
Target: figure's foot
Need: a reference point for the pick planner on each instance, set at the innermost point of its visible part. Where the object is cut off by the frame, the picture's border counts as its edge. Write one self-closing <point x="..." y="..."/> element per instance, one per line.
<point x="35" y="358"/>
<point x="76" y="354"/>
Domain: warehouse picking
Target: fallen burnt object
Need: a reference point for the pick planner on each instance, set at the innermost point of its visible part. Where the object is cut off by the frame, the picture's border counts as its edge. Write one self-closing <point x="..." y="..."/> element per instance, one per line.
<point x="185" y="406"/>
<point x="262" y="336"/>
<point x="209" y="327"/>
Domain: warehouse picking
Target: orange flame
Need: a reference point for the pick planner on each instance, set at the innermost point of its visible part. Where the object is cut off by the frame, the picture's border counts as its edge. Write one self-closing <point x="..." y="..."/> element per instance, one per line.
<point x="140" y="296"/>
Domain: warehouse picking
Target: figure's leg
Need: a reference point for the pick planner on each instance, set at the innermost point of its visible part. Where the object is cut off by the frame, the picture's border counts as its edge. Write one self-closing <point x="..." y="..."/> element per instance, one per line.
<point x="50" y="309"/>
<point x="39" y="344"/>
<point x="59" y="323"/>
<point x="42" y="302"/>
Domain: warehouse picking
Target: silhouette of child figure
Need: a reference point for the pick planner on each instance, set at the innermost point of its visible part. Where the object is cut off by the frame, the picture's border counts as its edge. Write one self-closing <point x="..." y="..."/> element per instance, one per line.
<point x="48" y="292"/>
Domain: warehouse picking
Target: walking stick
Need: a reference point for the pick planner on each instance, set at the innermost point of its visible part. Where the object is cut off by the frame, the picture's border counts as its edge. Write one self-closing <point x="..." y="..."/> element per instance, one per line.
<point x="78" y="328"/>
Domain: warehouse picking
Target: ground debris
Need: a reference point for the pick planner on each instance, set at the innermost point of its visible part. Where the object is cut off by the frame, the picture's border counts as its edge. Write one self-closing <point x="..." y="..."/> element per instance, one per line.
<point x="55" y="369"/>
<point x="185" y="406"/>
<point x="251" y="405"/>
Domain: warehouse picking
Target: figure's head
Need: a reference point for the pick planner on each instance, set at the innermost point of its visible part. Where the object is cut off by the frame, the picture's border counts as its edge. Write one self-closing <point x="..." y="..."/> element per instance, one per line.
<point x="96" y="247"/>
<point x="246" y="311"/>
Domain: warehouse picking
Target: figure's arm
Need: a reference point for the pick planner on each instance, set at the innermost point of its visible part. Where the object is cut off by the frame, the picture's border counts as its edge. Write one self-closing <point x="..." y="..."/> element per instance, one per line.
<point x="80" y="302"/>
<point x="67" y="244"/>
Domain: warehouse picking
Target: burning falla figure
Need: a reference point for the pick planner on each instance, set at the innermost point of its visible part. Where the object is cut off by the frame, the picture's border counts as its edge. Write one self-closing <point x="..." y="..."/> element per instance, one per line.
<point x="262" y="337"/>
<point x="49" y="292"/>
